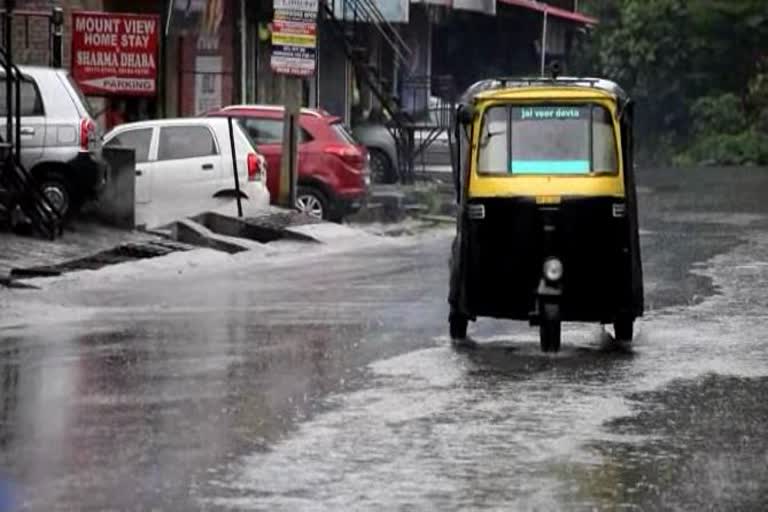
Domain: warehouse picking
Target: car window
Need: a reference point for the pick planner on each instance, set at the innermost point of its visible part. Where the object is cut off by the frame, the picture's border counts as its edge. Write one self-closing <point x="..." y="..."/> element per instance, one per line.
<point x="178" y="142"/>
<point x="31" y="102"/>
<point x="269" y="131"/>
<point x="494" y="149"/>
<point x="342" y="134"/>
<point x="138" y="140"/>
<point x="264" y="131"/>
<point x="82" y="97"/>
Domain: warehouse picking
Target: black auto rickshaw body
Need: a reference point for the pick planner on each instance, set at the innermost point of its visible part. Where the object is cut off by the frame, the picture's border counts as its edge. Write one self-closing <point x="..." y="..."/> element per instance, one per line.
<point x="547" y="227"/>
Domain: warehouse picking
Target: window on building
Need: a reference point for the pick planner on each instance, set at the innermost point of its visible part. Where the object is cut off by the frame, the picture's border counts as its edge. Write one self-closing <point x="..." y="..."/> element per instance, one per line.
<point x="177" y="142"/>
<point x="138" y="140"/>
<point x="31" y="102"/>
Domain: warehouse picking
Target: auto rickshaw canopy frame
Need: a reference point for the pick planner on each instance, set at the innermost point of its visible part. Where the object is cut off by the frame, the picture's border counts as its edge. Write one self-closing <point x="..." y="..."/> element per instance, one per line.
<point x="465" y="114"/>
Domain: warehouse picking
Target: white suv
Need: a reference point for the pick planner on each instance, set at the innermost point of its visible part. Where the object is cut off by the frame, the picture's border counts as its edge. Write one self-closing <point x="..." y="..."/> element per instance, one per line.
<point x="184" y="167"/>
<point x="60" y="143"/>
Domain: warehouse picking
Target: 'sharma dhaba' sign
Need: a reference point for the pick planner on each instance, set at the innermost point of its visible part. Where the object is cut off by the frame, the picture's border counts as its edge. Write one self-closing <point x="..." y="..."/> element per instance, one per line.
<point x="115" y="54"/>
<point x="294" y="37"/>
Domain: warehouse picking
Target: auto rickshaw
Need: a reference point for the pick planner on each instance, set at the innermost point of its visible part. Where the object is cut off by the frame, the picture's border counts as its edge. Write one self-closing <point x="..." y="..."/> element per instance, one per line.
<point x="547" y="227"/>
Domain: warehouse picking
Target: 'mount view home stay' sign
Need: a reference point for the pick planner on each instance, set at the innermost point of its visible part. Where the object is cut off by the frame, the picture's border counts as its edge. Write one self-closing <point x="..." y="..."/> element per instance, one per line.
<point x="115" y="54"/>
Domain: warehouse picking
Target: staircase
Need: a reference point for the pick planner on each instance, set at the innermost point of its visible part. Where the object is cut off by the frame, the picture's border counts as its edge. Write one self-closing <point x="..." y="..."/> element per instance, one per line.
<point x="19" y="192"/>
<point x="350" y="21"/>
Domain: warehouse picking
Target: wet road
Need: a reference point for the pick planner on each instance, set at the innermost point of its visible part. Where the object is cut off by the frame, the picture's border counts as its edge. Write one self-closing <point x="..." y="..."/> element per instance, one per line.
<point x="326" y="382"/>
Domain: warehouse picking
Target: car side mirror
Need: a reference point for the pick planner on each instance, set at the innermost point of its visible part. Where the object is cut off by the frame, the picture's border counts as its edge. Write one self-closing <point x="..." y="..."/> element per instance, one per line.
<point x="465" y="114"/>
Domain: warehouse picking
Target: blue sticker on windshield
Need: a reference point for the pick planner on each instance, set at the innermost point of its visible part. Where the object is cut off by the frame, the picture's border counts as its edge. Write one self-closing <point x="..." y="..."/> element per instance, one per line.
<point x="550" y="167"/>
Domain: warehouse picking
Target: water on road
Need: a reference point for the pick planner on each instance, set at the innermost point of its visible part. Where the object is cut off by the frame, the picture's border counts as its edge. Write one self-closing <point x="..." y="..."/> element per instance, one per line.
<point x="327" y="382"/>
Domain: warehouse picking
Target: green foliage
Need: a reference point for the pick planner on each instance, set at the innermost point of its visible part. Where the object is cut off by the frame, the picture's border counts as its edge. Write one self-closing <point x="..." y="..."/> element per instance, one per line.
<point x="718" y="114"/>
<point x="698" y="70"/>
<point x="747" y="147"/>
<point x="758" y="89"/>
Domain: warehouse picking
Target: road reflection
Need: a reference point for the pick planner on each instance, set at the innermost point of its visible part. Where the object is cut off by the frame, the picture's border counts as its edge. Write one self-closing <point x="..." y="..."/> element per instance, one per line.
<point x="138" y="410"/>
<point x="440" y="429"/>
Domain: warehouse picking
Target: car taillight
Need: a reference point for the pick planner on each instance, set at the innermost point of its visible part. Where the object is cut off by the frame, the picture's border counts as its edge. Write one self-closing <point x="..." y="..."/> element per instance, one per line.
<point x="253" y="167"/>
<point x="87" y="129"/>
<point x="349" y="154"/>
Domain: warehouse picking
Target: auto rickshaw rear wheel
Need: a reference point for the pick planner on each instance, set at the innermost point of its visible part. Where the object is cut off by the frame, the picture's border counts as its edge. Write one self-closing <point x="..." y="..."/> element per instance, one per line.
<point x="549" y="328"/>
<point x="458" y="326"/>
<point x="623" y="328"/>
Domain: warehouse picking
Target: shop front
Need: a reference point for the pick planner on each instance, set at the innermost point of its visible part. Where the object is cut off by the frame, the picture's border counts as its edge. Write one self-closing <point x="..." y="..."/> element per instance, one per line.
<point x="144" y="60"/>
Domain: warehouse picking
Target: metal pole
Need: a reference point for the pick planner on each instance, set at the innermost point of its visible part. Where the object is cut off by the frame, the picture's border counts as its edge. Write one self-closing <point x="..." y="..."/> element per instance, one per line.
<point x="234" y="166"/>
<point x="57" y="38"/>
<point x="544" y="44"/>
<point x="289" y="161"/>
<point x="9" y="6"/>
<point x="243" y="53"/>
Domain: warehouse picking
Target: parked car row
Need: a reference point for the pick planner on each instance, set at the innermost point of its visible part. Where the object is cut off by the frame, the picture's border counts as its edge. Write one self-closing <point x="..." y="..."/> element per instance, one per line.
<point x="188" y="161"/>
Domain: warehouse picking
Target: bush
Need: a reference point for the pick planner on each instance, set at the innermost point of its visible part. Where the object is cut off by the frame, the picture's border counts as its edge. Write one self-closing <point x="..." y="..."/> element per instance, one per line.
<point x="712" y="115"/>
<point x="747" y="147"/>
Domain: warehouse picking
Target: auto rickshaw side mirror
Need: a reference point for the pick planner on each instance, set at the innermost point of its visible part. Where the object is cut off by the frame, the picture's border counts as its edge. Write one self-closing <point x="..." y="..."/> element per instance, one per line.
<point x="465" y="114"/>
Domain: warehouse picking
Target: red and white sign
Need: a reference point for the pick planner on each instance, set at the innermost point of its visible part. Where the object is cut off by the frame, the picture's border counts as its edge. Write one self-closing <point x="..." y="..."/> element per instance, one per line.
<point x="115" y="54"/>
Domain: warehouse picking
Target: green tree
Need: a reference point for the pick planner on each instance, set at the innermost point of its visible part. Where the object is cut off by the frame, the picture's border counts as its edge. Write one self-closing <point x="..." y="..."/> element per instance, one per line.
<point x="697" y="69"/>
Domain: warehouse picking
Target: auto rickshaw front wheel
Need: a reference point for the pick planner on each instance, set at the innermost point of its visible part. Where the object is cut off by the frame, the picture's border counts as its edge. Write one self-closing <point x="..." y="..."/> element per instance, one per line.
<point x="549" y="328"/>
<point x="458" y="324"/>
<point x="623" y="328"/>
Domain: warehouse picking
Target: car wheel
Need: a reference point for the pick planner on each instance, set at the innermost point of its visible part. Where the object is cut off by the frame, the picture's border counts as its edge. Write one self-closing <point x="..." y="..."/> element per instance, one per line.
<point x="59" y="194"/>
<point x="312" y="202"/>
<point x="382" y="170"/>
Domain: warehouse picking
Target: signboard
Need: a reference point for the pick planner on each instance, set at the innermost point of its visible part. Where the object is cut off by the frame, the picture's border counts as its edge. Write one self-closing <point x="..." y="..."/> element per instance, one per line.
<point x="294" y="37"/>
<point x="115" y="54"/>
<point x="549" y="113"/>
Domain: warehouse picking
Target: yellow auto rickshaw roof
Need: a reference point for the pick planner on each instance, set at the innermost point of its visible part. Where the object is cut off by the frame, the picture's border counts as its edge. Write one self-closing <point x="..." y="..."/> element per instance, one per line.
<point x="543" y="88"/>
<point x="543" y="93"/>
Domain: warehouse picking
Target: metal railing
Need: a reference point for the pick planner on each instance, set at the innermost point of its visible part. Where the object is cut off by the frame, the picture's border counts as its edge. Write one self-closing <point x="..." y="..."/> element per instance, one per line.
<point x="366" y="11"/>
<point x="22" y="190"/>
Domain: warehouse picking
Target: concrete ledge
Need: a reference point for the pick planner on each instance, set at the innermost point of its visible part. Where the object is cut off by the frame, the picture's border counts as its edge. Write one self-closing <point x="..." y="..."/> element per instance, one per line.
<point x="261" y="229"/>
<point x="327" y="232"/>
<point x="395" y="203"/>
<point x="191" y="232"/>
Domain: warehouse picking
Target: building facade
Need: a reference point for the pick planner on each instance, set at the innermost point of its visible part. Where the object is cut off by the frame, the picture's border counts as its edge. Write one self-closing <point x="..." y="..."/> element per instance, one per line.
<point x="217" y="52"/>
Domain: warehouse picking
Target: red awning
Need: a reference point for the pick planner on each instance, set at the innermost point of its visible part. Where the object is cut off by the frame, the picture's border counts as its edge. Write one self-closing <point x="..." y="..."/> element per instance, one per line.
<point x="552" y="11"/>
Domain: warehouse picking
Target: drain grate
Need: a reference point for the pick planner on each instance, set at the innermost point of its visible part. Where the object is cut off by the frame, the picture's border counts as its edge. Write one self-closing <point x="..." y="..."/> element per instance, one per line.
<point x="120" y="254"/>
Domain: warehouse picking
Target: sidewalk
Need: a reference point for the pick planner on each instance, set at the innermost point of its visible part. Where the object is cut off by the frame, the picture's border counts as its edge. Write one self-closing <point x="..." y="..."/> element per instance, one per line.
<point x="395" y="203"/>
<point x="79" y="240"/>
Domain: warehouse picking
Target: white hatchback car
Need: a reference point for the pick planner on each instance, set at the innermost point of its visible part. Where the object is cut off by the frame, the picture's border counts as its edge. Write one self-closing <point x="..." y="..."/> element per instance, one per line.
<point x="184" y="167"/>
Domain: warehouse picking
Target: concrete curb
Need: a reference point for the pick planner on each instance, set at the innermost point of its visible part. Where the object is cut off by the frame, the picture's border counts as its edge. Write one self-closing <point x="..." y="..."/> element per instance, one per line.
<point x="193" y="233"/>
<point x="395" y="203"/>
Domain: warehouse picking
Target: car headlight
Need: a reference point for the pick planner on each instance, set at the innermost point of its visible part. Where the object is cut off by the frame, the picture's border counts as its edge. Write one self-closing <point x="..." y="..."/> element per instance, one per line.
<point x="553" y="269"/>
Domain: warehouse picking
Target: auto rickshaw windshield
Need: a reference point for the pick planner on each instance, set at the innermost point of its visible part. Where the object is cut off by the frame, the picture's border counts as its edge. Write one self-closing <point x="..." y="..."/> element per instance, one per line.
<point x="548" y="139"/>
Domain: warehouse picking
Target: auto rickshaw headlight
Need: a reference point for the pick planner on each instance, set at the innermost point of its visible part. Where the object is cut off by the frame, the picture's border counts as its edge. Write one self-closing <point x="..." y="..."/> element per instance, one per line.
<point x="553" y="269"/>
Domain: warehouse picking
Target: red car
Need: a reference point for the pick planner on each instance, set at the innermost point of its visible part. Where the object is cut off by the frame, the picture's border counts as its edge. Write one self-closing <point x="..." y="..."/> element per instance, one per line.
<point x="333" y="168"/>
